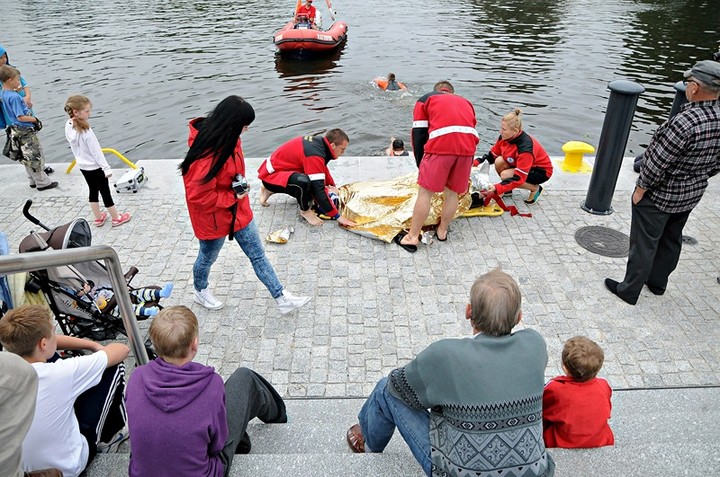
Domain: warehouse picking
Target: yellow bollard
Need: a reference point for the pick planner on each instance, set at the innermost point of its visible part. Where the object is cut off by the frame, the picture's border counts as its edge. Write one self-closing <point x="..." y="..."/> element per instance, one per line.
<point x="574" y="151"/>
<point x="106" y="150"/>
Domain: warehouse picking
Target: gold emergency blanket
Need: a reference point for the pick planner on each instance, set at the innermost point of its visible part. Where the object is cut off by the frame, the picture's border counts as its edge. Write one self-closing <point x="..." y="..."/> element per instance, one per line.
<point x="381" y="209"/>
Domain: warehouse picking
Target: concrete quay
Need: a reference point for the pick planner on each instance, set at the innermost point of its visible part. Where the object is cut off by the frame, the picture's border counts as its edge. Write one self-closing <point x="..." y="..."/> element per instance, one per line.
<point x="375" y="306"/>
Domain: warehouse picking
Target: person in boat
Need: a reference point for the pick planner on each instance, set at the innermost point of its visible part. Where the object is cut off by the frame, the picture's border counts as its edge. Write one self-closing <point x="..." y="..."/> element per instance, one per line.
<point x="299" y="168"/>
<point x="306" y="15"/>
<point x="520" y="160"/>
<point x="302" y="22"/>
<point x="397" y="148"/>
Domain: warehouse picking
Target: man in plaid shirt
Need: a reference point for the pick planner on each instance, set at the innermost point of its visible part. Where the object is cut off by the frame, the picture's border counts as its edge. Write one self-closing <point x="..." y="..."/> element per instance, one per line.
<point x="683" y="154"/>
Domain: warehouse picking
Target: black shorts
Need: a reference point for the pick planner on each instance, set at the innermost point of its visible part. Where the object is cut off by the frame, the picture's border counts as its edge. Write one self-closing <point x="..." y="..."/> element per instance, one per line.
<point x="537" y="176"/>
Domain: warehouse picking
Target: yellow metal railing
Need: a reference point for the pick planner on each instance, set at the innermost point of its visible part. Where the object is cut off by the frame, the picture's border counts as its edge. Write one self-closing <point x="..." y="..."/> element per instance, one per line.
<point x="106" y="150"/>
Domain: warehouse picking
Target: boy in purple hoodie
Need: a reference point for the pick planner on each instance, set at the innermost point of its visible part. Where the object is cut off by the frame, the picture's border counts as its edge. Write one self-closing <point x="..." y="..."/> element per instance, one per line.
<point x="181" y="418"/>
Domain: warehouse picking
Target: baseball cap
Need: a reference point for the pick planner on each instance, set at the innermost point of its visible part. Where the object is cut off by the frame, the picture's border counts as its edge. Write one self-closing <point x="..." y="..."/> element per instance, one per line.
<point x="706" y="71"/>
<point x="398" y="144"/>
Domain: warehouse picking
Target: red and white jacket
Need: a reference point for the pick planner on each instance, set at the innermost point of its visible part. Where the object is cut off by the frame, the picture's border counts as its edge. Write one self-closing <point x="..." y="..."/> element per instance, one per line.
<point x="307" y="155"/>
<point x="523" y="153"/>
<point x="308" y="10"/>
<point x="209" y="203"/>
<point x="444" y="123"/>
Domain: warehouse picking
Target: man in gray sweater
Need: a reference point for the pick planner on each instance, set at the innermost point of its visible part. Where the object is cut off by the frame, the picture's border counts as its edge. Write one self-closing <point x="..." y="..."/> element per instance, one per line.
<point x="468" y="406"/>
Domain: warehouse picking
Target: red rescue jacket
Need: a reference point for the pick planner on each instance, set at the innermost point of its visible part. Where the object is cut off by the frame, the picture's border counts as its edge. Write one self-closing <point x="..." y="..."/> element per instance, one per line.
<point x="308" y="155"/>
<point x="522" y="152"/>
<point x="444" y="123"/>
<point x="209" y="204"/>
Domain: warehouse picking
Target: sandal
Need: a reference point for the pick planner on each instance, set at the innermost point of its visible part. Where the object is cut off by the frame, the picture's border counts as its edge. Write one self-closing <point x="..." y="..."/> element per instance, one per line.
<point x="99" y="222"/>
<point x="412" y="248"/>
<point x="355" y="439"/>
<point x="122" y="218"/>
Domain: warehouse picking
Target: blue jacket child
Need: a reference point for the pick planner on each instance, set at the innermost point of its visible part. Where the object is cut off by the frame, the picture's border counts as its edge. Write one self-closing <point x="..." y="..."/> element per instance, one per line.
<point x="22" y="143"/>
<point x="24" y="91"/>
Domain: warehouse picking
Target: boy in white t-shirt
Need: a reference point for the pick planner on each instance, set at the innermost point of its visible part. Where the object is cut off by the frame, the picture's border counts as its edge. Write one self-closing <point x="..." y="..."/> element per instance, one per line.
<point x="79" y="401"/>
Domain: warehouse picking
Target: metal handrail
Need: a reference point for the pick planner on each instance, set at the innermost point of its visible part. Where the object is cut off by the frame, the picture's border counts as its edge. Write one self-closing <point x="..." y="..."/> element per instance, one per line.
<point x="27" y="262"/>
<point x="106" y="150"/>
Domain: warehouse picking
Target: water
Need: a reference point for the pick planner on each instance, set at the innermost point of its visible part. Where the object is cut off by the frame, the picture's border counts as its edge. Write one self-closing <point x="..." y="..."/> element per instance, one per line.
<point x="149" y="67"/>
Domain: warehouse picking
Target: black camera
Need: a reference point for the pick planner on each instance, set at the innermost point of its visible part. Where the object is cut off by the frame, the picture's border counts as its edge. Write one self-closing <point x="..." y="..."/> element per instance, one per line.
<point x="240" y="184"/>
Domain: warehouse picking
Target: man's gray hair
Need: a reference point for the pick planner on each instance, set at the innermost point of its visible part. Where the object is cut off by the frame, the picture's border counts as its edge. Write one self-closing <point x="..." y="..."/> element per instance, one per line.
<point x="712" y="89"/>
<point x="495" y="302"/>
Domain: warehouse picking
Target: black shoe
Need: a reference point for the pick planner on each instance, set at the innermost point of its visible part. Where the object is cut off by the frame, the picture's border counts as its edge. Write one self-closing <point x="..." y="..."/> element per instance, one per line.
<point x="33" y="186"/>
<point x="244" y="446"/>
<point x="51" y="185"/>
<point x="655" y="290"/>
<point x="612" y="285"/>
<point x="48" y="170"/>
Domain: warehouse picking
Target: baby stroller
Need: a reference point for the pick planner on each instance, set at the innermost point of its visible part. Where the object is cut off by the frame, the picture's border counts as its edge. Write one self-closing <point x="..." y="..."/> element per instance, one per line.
<point x="81" y="295"/>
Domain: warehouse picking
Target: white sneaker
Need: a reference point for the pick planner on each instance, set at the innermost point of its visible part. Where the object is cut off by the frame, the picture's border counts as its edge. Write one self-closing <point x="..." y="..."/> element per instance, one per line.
<point x="287" y="302"/>
<point x="206" y="299"/>
<point x="113" y="446"/>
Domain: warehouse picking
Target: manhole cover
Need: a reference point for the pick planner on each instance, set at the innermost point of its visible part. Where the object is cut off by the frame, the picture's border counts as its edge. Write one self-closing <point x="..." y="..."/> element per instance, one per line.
<point x="688" y="240"/>
<point x="603" y="241"/>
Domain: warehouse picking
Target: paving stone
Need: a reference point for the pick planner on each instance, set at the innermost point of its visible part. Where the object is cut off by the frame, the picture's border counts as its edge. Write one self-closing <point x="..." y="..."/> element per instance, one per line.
<point x="375" y="306"/>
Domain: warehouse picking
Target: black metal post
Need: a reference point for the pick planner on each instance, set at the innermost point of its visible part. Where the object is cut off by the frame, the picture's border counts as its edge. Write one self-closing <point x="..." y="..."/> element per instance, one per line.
<point x="680" y="98"/>
<point x="611" y="146"/>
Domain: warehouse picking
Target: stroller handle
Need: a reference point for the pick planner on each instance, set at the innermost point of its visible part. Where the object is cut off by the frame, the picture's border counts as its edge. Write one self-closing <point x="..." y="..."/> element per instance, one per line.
<point x="30" y="217"/>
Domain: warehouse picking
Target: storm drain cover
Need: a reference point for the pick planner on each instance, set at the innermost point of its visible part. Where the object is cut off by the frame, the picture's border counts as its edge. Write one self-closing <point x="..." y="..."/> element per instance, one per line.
<point x="603" y="241"/>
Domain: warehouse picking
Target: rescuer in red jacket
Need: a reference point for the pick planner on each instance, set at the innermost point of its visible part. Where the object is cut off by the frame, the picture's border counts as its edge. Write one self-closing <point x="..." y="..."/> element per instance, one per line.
<point x="299" y="168"/>
<point x="308" y="11"/>
<point x="444" y="141"/>
<point x="520" y="160"/>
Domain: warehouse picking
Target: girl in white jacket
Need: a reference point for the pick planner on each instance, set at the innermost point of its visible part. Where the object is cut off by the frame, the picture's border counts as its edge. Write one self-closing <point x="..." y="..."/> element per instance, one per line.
<point x="90" y="159"/>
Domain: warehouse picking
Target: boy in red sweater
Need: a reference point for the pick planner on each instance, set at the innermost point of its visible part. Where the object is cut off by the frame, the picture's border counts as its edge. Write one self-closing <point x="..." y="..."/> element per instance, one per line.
<point x="576" y="407"/>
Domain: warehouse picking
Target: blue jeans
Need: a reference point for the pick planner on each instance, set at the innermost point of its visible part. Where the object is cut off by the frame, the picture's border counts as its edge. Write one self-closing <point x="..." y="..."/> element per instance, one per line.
<point x="249" y="241"/>
<point x="382" y="412"/>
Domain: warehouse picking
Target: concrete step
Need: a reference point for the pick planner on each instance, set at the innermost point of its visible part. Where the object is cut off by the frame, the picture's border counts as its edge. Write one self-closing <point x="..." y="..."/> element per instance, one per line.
<point x="658" y="432"/>
<point x="626" y="461"/>
<point x="351" y="465"/>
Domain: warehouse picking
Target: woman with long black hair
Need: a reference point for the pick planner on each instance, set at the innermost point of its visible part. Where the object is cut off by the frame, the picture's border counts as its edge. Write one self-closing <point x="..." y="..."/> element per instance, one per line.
<point x="216" y="210"/>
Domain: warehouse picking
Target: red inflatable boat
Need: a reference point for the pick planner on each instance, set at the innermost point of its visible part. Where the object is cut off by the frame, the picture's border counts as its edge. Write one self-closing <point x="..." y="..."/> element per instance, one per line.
<point x="307" y="40"/>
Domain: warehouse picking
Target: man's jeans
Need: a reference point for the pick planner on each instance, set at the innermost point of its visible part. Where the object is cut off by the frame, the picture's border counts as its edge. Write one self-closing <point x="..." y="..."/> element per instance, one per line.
<point x="382" y="412"/>
<point x="250" y="243"/>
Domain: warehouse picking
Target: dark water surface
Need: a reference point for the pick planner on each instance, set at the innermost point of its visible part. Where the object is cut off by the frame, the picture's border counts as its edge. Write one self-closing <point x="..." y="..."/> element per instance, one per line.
<point x="148" y="67"/>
